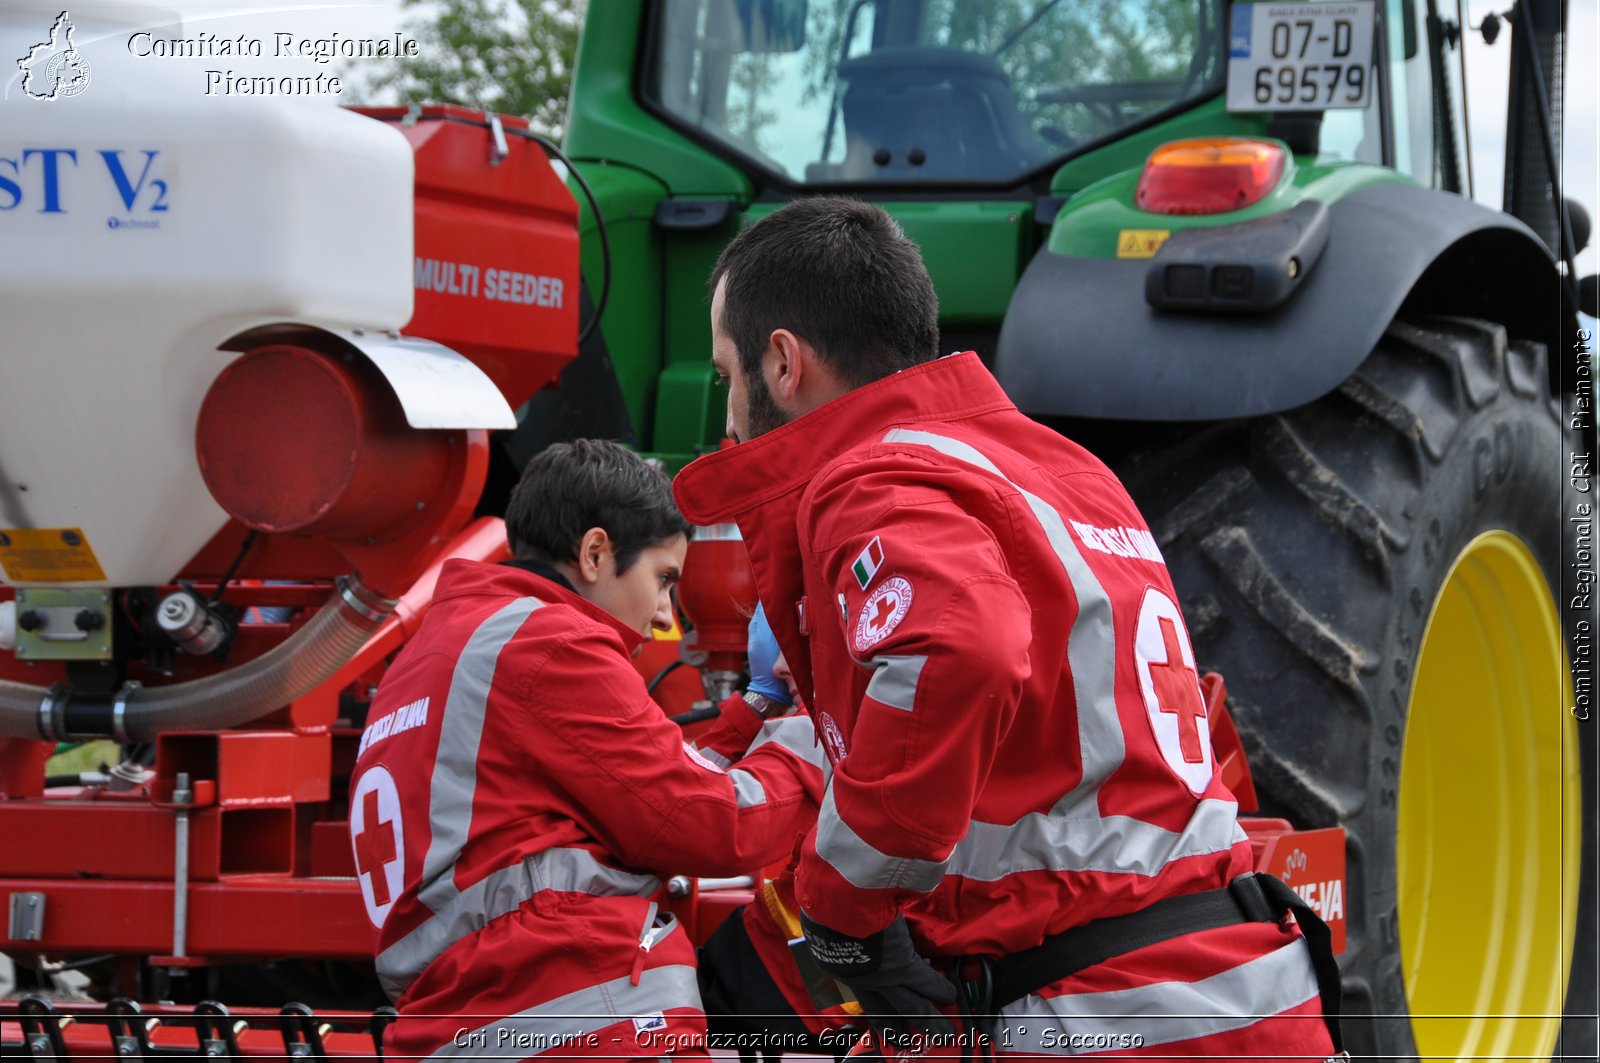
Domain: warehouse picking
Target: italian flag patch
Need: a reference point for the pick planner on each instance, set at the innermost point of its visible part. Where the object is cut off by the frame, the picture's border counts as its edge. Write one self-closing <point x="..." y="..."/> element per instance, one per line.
<point x="868" y="563"/>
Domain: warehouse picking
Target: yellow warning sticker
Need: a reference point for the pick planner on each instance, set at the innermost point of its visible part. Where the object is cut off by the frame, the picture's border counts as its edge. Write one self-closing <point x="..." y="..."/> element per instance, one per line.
<point x="48" y="555"/>
<point x="1141" y="243"/>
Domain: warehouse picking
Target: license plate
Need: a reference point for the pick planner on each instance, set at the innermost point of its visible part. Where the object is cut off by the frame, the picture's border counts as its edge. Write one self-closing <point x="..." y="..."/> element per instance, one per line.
<point x="1300" y="56"/>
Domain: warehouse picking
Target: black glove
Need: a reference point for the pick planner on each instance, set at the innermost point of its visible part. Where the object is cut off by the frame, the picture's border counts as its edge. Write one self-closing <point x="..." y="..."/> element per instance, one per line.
<point x="897" y="988"/>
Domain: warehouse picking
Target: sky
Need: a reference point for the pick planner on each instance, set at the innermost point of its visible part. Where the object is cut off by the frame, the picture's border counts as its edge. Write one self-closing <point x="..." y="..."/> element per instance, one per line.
<point x="1487" y="72"/>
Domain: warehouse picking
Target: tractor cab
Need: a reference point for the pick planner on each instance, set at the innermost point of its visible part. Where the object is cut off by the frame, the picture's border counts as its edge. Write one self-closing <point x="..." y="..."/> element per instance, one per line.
<point x="891" y="93"/>
<point x="990" y="96"/>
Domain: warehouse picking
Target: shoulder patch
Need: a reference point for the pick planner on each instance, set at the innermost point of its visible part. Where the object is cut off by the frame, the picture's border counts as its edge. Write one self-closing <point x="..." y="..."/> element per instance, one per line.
<point x="701" y="759"/>
<point x="832" y="737"/>
<point x="882" y="613"/>
<point x="867" y="564"/>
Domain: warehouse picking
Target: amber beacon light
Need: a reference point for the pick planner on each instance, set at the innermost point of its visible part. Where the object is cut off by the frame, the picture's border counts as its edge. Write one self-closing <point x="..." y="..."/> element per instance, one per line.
<point x="1208" y="175"/>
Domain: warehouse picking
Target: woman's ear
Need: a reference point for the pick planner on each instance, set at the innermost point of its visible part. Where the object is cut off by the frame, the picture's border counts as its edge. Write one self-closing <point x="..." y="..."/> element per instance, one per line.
<point x="593" y="551"/>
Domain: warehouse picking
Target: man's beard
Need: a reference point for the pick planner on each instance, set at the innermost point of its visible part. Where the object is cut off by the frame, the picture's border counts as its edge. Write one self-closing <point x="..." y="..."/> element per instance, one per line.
<point x="761" y="410"/>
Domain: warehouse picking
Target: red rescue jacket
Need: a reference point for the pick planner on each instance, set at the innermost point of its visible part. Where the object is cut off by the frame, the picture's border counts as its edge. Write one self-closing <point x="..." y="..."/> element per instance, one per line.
<point x="989" y="641"/>
<point x="516" y="802"/>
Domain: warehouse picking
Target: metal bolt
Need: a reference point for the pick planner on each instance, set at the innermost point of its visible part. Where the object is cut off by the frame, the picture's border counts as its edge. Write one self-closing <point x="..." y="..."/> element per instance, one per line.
<point x="1294" y="268"/>
<point x="421" y="506"/>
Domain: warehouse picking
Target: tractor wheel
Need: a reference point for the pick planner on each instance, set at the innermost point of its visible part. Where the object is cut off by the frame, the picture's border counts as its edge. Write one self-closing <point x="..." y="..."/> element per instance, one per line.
<point x="1377" y="575"/>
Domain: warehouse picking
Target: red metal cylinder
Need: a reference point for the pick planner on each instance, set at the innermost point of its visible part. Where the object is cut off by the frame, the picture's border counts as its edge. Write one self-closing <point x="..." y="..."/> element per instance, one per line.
<point x="718" y="594"/>
<point x="293" y="439"/>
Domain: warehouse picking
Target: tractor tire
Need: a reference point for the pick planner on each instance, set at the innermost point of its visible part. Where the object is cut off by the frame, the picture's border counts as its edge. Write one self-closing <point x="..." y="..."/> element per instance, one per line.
<point x="1378" y="577"/>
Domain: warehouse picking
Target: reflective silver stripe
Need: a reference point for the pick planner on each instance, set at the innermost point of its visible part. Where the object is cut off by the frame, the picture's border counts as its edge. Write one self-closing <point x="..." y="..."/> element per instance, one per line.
<point x="455" y="768"/>
<point x="712" y="755"/>
<point x="1091" y="645"/>
<point x="717" y="532"/>
<point x="1117" y="844"/>
<point x="1164" y="1012"/>
<point x="561" y="870"/>
<point x="894" y="681"/>
<point x="865" y="867"/>
<point x="798" y="735"/>
<point x="747" y="789"/>
<point x="561" y="1025"/>
<point x="1073" y="836"/>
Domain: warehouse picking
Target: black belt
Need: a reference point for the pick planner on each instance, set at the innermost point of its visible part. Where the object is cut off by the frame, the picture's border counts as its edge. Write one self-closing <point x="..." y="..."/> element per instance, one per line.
<point x="1254" y="898"/>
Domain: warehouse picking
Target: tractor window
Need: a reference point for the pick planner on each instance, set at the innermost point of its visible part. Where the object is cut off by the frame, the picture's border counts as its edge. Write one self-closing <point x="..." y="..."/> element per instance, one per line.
<point x="936" y="91"/>
<point x="1411" y="98"/>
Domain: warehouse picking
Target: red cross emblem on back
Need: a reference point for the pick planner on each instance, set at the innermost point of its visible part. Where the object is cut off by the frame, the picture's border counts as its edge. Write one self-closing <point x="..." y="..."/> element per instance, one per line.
<point x="375" y="848"/>
<point x="1178" y="692"/>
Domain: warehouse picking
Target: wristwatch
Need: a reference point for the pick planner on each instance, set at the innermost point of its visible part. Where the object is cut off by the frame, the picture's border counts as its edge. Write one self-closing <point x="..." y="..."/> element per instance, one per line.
<point x="764" y="707"/>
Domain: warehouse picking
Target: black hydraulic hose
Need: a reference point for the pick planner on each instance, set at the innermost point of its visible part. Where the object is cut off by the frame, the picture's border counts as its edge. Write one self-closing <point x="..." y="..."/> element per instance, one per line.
<point x="672" y="666"/>
<point x="1466" y="106"/>
<point x="684" y="719"/>
<point x="1524" y="35"/>
<point x="238" y="559"/>
<point x="599" y="228"/>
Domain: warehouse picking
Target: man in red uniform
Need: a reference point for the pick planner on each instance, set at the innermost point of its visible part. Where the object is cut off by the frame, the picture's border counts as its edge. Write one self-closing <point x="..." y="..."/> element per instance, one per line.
<point x="988" y="639"/>
<point x="519" y="797"/>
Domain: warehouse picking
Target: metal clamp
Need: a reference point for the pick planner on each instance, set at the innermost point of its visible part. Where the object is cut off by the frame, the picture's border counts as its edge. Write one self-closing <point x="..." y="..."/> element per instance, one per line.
<point x="27" y="917"/>
<point x="302" y="1037"/>
<point x="355" y="596"/>
<point x="124" y="1022"/>
<point x="41" y="1027"/>
<point x="49" y="701"/>
<point x="119" y="710"/>
<point x="215" y="1032"/>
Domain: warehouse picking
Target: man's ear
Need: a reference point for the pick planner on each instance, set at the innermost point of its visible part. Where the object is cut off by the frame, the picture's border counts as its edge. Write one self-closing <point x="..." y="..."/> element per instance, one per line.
<point x="593" y="551"/>
<point x="789" y="362"/>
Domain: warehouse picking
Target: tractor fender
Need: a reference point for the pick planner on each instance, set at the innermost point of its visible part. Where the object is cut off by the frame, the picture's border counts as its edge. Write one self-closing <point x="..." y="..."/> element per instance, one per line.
<point x="1079" y="339"/>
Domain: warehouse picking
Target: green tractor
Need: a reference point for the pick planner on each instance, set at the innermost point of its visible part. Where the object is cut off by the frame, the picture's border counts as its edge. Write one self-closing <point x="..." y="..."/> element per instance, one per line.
<point x="1228" y="247"/>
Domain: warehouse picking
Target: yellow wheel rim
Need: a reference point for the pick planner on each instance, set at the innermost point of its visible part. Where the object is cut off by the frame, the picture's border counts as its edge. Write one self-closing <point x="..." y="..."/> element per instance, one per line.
<point x="1487" y="838"/>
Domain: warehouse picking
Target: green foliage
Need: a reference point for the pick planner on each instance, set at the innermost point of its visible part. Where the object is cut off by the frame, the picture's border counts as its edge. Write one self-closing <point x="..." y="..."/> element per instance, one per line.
<point x="510" y="56"/>
<point x="85" y="756"/>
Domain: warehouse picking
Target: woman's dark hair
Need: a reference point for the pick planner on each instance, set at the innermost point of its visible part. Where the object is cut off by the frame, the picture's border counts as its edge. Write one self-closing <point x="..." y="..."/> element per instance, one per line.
<point x="569" y="488"/>
<point x="840" y="273"/>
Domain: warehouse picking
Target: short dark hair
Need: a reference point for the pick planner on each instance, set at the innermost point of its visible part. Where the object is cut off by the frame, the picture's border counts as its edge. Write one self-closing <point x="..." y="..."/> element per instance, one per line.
<point x="569" y="488"/>
<point x="838" y="272"/>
